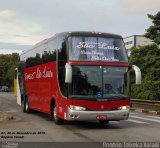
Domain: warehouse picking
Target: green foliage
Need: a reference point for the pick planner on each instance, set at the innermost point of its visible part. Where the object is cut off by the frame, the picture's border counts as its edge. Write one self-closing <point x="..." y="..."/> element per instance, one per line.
<point x="8" y="63"/>
<point x="153" y="32"/>
<point x="148" y="59"/>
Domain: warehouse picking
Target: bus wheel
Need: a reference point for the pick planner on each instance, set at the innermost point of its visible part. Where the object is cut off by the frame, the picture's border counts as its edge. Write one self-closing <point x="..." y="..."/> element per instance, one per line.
<point x="57" y="120"/>
<point x="26" y="106"/>
<point x="103" y="121"/>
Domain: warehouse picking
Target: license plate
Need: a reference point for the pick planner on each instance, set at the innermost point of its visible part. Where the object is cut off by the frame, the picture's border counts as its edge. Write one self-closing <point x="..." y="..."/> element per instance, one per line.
<point x="101" y="117"/>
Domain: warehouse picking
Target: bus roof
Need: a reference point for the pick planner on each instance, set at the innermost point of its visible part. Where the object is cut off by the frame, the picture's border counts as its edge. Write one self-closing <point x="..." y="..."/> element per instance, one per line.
<point x="93" y="33"/>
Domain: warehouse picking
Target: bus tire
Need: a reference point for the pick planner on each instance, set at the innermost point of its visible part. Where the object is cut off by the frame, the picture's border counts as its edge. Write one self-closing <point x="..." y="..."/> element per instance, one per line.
<point x="23" y="106"/>
<point x="26" y="106"/>
<point x="56" y="119"/>
<point x="103" y="122"/>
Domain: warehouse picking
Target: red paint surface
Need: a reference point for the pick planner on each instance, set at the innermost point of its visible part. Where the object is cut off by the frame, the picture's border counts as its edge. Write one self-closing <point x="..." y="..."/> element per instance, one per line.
<point x="42" y="86"/>
<point x="101" y="105"/>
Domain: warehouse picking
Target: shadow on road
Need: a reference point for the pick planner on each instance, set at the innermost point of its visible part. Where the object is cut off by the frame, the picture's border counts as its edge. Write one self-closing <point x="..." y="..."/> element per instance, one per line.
<point x="88" y="124"/>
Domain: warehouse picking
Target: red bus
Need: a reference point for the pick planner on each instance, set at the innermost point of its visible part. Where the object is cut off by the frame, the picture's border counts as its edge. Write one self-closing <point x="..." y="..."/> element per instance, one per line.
<point x="77" y="76"/>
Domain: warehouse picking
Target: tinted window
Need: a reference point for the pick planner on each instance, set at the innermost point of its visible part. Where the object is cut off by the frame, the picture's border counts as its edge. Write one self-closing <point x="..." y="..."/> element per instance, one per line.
<point x="114" y="80"/>
<point x="62" y="59"/>
<point x="62" y="54"/>
<point x="49" y="54"/>
<point x="89" y="82"/>
<point x="42" y="54"/>
<point x="34" y="57"/>
<point x="86" y="81"/>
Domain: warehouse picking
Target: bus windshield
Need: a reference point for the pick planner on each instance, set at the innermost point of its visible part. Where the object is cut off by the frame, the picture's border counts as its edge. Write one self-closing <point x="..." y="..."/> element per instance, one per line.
<point x="97" y="49"/>
<point x="97" y="82"/>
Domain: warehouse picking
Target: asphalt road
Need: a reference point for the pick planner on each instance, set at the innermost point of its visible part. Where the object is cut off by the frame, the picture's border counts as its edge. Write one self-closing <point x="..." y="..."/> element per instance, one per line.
<point x="36" y="127"/>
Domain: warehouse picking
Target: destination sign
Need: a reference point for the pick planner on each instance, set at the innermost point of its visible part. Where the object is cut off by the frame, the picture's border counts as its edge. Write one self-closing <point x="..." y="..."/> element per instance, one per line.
<point x="96" y="49"/>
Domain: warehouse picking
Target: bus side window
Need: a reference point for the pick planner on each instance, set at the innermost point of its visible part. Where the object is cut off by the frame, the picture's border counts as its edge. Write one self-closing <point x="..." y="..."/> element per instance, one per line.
<point x="49" y="54"/>
<point x="62" y="59"/>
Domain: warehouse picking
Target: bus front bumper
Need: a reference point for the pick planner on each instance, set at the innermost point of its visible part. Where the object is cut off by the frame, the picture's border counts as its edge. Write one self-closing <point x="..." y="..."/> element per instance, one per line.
<point x="114" y="115"/>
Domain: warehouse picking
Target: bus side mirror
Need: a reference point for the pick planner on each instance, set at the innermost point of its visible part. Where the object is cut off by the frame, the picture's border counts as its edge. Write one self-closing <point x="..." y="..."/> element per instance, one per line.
<point x="68" y="73"/>
<point x="137" y="73"/>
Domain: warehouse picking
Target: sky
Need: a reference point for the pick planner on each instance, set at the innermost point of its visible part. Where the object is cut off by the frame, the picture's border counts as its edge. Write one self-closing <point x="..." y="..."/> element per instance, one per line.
<point x="23" y="23"/>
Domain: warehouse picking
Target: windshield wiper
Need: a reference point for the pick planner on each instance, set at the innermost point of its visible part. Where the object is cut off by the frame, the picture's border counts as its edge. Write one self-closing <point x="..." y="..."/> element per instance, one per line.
<point x="115" y="97"/>
<point x="78" y="97"/>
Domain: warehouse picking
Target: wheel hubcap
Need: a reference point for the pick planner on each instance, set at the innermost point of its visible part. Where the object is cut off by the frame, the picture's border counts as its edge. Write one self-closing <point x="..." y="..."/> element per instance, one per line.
<point x="26" y="105"/>
<point x="54" y="113"/>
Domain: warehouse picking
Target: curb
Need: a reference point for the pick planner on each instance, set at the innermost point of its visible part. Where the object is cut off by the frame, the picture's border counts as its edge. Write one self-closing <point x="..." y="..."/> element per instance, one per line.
<point x="145" y="111"/>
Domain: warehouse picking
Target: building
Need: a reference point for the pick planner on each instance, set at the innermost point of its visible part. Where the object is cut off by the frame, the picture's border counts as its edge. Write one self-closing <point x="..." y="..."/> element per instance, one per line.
<point x="134" y="41"/>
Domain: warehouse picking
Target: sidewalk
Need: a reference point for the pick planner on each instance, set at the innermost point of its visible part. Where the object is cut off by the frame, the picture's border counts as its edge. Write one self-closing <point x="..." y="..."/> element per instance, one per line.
<point x="144" y="111"/>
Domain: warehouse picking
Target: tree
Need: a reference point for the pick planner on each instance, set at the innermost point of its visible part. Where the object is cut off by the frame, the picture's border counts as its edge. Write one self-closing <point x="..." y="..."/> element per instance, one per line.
<point x="8" y="63"/>
<point x="148" y="59"/>
<point x="153" y="32"/>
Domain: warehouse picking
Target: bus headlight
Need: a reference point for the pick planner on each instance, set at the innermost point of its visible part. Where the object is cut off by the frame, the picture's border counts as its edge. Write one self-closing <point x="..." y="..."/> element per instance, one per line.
<point x="124" y="107"/>
<point x="78" y="108"/>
